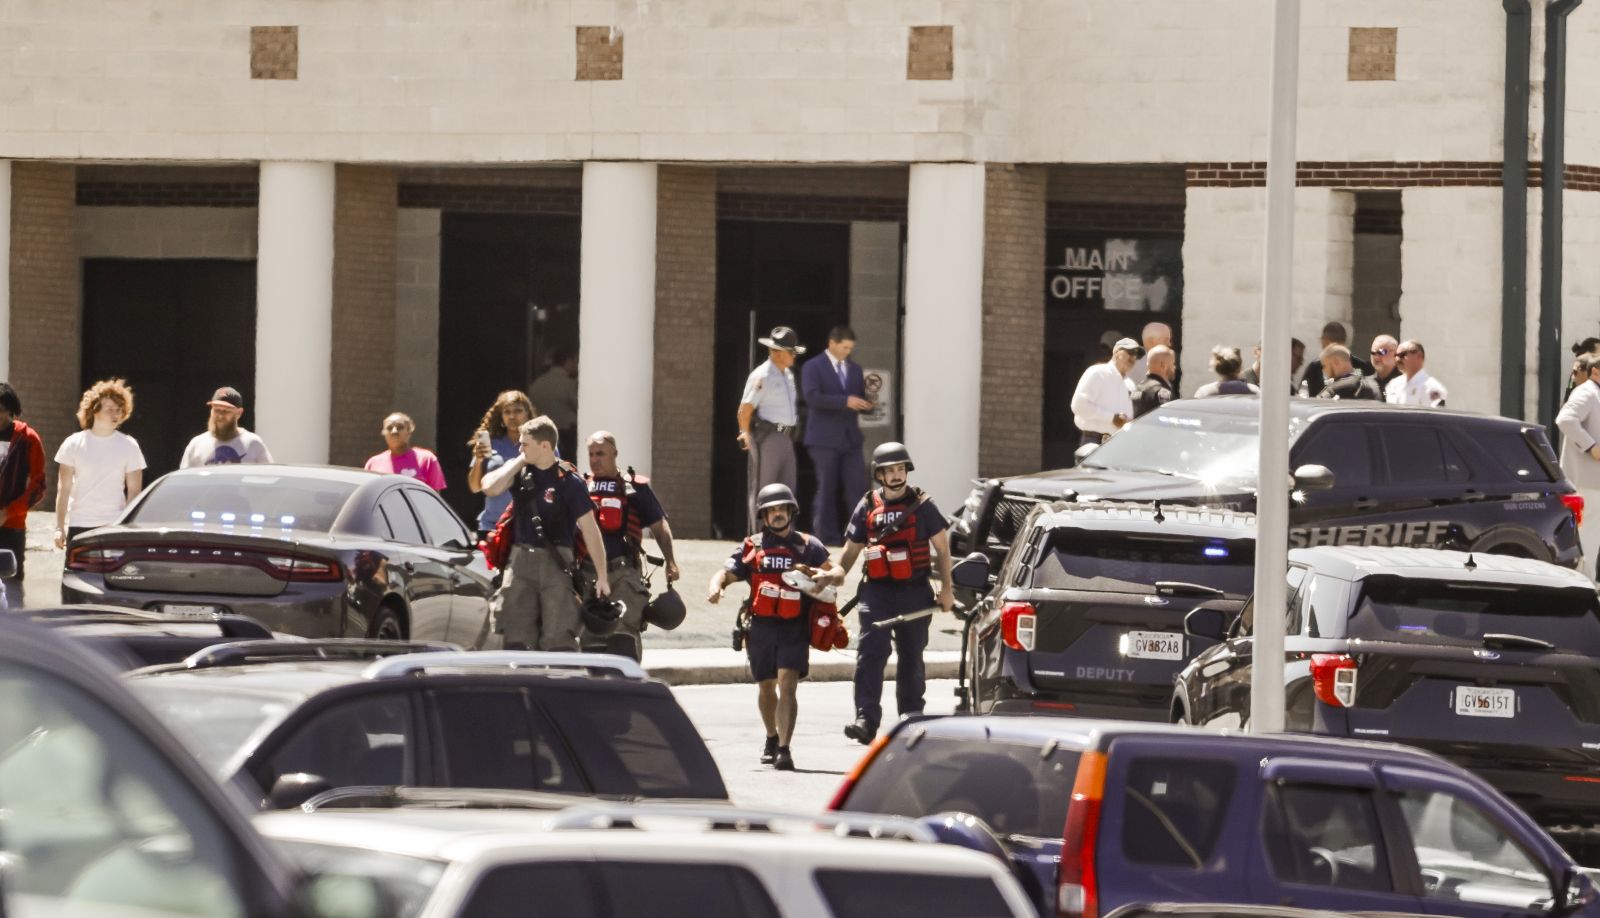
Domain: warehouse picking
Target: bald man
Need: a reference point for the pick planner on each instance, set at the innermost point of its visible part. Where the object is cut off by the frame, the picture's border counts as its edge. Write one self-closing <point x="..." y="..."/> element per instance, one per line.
<point x="1156" y="389"/>
<point x="1154" y="334"/>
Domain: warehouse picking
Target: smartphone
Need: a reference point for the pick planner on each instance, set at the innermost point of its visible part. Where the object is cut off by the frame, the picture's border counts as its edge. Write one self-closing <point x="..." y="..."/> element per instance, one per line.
<point x="483" y="438"/>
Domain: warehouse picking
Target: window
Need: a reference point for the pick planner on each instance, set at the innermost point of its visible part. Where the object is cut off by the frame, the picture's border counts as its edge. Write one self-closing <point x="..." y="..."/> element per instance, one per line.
<point x="1465" y="856"/>
<point x="1343" y="449"/>
<point x="443" y="529"/>
<point x="1297" y="601"/>
<point x="875" y="893"/>
<point x="490" y="741"/>
<point x="633" y="742"/>
<point x="359" y="741"/>
<point x="506" y="892"/>
<point x="1460" y="614"/>
<point x="397" y="516"/>
<point x="1247" y="616"/>
<point x="1326" y="836"/>
<point x="1455" y="464"/>
<point x="96" y="819"/>
<point x="1077" y="559"/>
<point x="685" y="890"/>
<point x="243" y="502"/>
<point x="1514" y="452"/>
<point x="1414" y="454"/>
<point x="1173" y="810"/>
<point x="1010" y="786"/>
<point x="1325" y="599"/>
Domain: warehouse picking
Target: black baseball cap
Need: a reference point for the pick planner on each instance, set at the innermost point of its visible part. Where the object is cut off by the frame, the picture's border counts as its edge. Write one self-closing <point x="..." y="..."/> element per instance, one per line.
<point x="227" y="395"/>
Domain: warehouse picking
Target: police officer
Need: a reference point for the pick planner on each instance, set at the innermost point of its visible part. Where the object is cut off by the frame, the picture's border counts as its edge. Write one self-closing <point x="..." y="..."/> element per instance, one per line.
<point x="768" y="414"/>
<point x="894" y="526"/>
<point x="623" y="508"/>
<point x="779" y="643"/>
<point x="536" y="605"/>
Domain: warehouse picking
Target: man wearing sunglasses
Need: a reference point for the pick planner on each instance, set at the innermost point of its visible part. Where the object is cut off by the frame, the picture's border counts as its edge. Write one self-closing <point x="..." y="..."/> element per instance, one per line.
<point x="1417" y="386"/>
<point x="1385" y="365"/>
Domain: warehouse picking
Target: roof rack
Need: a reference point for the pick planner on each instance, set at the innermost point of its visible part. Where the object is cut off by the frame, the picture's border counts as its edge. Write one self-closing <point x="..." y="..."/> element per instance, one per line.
<point x="394" y="796"/>
<point x="236" y="653"/>
<point x="717" y="818"/>
<point x="594" y="663"/>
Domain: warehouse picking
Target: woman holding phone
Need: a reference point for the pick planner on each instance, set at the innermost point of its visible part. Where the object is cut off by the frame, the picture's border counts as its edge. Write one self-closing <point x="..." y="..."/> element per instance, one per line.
<point x="492" y="444"/>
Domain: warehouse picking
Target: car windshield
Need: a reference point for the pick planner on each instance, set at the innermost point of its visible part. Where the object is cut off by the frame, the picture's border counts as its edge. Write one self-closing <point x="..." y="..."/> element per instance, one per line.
<point x="406" y="881"/>
<point x="1215" y="449"/>
<point x="1120" y="563"/>
<point x="273" y="503"/>
<point x="1441" y="612"/>
<point x="214" y="723"/>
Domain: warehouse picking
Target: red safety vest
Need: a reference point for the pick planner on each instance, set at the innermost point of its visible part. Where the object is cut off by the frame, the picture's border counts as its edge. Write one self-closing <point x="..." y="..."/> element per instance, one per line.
<point x="898" y="556"/>
<point x="770" y="597"/>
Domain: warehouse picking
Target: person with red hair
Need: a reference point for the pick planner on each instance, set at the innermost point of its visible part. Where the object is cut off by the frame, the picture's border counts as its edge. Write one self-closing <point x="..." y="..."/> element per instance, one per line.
<point x="102" y="468"/>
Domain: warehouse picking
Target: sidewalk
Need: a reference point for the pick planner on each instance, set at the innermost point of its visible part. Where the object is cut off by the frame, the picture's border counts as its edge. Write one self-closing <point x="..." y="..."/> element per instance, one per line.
<point x="720" y="665"/>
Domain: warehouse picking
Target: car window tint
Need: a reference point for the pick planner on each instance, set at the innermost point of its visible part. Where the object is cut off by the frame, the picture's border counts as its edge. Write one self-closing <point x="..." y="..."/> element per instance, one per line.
<point x="1514" y="454"/>
<point x="1413" y="454"/>
<point x="1173" y="810"/>
<point x="1297" y="601"/>
<point x="201" y="500"/>
<point x="1011" y="786"/>
<point x="1460" y="614"/>
<point x="1326" y="603"/>
<point x="1246" y="622"/>
<point x="439" y="524"/>
<point x="661" y="890"/>
<point x="1465" y="856"/>
<point x="1079" y="559"/>
<point x="397" y="516"/>
<point x="1326" y="836"/>
<point x="368" y="740"/>
<point x="564" y="889"/>
<point x="491" y="739"/>
<point x="96" y="820"/>
<point x="876" y="893"/>
<point x="1456" y="467"/>
<point x="1342" y="448"/>
<point x="634" y="743"/>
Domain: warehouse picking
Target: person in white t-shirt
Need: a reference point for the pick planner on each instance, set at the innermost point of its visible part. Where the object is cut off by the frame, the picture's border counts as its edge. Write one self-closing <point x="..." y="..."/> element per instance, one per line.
<point x="225" y="442"/>
<point x="102" y="469"/>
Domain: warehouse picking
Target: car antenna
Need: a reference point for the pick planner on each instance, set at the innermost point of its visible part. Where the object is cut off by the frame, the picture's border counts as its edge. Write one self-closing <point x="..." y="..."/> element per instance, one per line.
<point x="1471" y="565"/>
<point x="1159" y="518"/>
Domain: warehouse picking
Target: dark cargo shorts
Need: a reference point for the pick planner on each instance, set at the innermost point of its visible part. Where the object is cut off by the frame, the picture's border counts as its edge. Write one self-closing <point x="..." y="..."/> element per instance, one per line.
<point x="778" y="643"/>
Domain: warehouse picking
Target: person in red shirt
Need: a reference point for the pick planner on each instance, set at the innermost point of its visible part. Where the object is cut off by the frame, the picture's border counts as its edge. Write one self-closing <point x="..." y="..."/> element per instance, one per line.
<point x="22" y="483"/>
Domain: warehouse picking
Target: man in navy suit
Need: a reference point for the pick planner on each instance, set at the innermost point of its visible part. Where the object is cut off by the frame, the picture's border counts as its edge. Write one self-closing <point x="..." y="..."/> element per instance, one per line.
<point x="835" y="396"/>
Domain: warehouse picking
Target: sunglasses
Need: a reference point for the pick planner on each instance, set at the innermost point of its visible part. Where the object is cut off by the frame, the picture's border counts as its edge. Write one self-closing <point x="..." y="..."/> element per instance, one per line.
<point x="1405" y="353"/>
<point x="1381" y="352"/>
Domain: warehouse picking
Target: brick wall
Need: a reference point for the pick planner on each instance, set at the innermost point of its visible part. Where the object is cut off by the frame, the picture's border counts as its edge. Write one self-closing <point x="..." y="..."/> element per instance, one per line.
<point x="416" y="327"/>
<point x="686" y="287"/>
<point x="1013" y="319"/>
<point x="364" y="228"/>
<point x="46" y="327"/>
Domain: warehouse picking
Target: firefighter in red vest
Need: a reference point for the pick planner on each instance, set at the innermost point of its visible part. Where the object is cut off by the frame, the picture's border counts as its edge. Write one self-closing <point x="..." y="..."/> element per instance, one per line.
<point x="624" y="507"/>
<point x="899" y="531"/>
<point x="779" y="641"/>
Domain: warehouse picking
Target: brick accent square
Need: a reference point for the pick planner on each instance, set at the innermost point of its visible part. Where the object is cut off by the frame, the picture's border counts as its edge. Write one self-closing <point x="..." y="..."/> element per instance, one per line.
<point x="930" y="53"/>
<point x="599" y="53"/>
<point x="1372" y="53"/>
<point x="274" y="52"/>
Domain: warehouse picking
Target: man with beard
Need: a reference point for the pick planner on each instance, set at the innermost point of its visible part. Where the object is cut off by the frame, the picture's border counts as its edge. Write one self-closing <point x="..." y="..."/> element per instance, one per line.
<point x="225" y="442"/>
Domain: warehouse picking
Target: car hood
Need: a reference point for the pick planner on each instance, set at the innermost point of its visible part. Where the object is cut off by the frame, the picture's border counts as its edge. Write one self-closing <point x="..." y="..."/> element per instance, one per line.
<point x="1112" y="484"/>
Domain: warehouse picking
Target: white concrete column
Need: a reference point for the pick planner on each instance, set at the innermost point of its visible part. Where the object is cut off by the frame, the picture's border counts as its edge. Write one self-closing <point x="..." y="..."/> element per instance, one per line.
<point x="5" y="269"/>
<point x="944" y="327"/>
<point x="294" y="311"/>
<point x="617" y="308"/>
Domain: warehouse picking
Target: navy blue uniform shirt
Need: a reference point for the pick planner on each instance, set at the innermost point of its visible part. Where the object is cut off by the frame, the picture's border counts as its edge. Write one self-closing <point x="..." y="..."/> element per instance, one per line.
<point x="561" y="500"/>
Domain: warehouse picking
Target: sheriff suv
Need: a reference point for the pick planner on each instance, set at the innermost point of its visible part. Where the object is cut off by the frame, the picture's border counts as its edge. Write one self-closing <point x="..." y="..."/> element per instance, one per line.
<point x="1364" y="474"/>
<point x="1086" y="614"/>
<point x="1492" y="662"/>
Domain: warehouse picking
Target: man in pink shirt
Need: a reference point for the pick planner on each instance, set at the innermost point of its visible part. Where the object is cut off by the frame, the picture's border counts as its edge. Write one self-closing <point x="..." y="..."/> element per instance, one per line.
<point x="402" y="458"/>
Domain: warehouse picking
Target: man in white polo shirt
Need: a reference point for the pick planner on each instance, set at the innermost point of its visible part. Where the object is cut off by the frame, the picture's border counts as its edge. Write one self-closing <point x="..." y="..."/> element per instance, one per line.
<point x="1103" y="401"/>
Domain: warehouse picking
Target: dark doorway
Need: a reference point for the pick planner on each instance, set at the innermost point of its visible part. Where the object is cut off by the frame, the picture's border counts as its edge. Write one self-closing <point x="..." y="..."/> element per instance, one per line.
<point x="176" y="330"/>
<point x="508" y="299"/>
<point x="768" y="274"/>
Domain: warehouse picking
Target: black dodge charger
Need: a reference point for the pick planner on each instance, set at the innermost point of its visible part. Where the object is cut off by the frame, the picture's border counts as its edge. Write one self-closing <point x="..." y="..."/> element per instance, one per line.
<point x="305" y="550"/>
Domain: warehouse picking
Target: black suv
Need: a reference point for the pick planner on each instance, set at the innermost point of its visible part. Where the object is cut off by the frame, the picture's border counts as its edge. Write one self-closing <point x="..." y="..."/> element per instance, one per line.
<point x="1400" y="476"/>
<point x="287" y="720"/>
<point x="1492" y="662"/>
<point x="1086" y="615"/>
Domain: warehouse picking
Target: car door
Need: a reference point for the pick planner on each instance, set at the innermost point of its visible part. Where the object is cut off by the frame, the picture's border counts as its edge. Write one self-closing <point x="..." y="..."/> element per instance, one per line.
<point x="1219" y="690"/>
<point x="1344" y="447"/>
<point x="367" y="739"/>
<point x="469" y="578"/>
<point x="1422" y="481"/>
<point x="423" y="571"/>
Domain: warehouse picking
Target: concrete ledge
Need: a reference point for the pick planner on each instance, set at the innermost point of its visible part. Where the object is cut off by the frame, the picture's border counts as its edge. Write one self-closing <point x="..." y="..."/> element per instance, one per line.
<point x="724" y="665"/>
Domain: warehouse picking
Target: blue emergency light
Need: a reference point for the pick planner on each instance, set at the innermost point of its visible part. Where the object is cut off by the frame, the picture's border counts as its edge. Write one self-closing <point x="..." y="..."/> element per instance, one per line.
<point x="1215" y="551"/>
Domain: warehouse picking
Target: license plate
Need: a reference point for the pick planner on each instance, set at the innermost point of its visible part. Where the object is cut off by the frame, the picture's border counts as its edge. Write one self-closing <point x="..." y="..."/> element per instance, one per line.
<point x="1486" y="702"/>
<point x="181" y="610"/>
<point x="1152" y="645"/>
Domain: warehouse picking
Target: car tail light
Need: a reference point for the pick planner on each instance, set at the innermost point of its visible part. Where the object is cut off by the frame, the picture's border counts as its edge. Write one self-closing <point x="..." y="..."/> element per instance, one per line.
<point x="1079" y="895"/>
<point x="1017" y="625"/>
<point x="96" y="560"/>
<point x="1574" y="503"/>
<point x="1333" y="677"/>
<point x="856" y="772"/>
<point x="304" y="569"/>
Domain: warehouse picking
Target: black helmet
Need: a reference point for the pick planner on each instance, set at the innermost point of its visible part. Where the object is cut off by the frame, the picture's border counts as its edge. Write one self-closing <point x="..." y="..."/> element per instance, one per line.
<point x="600" y="615"/>
<point x="892" y="453"/>
<point x="666" y="611"/>
<point x="776" y="495"/>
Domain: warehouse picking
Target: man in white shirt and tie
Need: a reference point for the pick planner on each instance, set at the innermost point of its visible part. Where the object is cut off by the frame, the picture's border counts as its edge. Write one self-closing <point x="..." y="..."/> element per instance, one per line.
<point x="1579" y="421"/>
<point x="1103" y="401"/>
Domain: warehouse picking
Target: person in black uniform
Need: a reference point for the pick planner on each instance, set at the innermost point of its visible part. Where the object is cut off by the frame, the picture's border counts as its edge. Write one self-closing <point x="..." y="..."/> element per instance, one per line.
<point x="900" y="531"/>
<point x="1157" y="387"/>
<point x="779" y="642"/>
<point x="1342" y="380"/>
<point x="1332" y="333"/>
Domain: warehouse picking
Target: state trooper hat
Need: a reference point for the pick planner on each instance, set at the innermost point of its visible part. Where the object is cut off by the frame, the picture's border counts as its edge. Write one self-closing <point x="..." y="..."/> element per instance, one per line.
<point x="892" y="453"/>
<point x="784" y="339"/>
<point x="776" y="495"/>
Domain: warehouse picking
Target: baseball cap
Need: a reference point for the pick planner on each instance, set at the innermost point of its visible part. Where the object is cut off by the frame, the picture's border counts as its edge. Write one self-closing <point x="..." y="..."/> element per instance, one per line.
<point x="227" y="395"/>
<point x="1128" y="344"/>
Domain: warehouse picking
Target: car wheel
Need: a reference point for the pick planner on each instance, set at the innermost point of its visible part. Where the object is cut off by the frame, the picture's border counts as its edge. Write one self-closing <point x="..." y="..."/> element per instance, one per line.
<point x="386" y="625"/>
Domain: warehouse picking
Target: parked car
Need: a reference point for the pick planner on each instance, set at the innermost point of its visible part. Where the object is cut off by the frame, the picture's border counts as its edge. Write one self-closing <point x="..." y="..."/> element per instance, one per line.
<point x="1107" y="814"/>
<point x="1086" y="614"/>
<point x="135" y="638"/>
<point x="288" y="720"/>
<point x="1364" y="474"/>
<point x="1492" y="662"/>
<point x="650" y="862"/>
<point x="312" y="551"/>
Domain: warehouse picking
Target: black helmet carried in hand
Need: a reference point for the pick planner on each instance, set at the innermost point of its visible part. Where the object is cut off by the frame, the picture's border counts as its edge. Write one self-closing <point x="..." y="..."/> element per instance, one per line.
<point x="600" y="615"/>
<point x="892" y="453"/>
<point x="666" y="611"/>
<point x="776" y="495"/>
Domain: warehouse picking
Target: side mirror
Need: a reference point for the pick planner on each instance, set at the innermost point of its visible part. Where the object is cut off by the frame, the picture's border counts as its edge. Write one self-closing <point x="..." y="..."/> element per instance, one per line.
<point x="1575" y="890"/>
<point x="295" y="788"/>
<point x="1209" y="620"/>
<point x="1082" y="452"/>
<point x="8" y="563"/>
<point x="1313" y="478"/>
<point x="972" y="573"/>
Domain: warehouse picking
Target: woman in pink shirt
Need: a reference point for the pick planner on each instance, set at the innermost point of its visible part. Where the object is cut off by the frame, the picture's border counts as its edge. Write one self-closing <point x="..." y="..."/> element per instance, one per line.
<point x="401" y="458"/>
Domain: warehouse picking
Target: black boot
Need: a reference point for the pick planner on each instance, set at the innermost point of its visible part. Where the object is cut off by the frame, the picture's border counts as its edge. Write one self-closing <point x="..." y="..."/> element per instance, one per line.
<point x="770" y="751"/>
<point x="783" y="761"/>
<point x="861" y="731"/>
